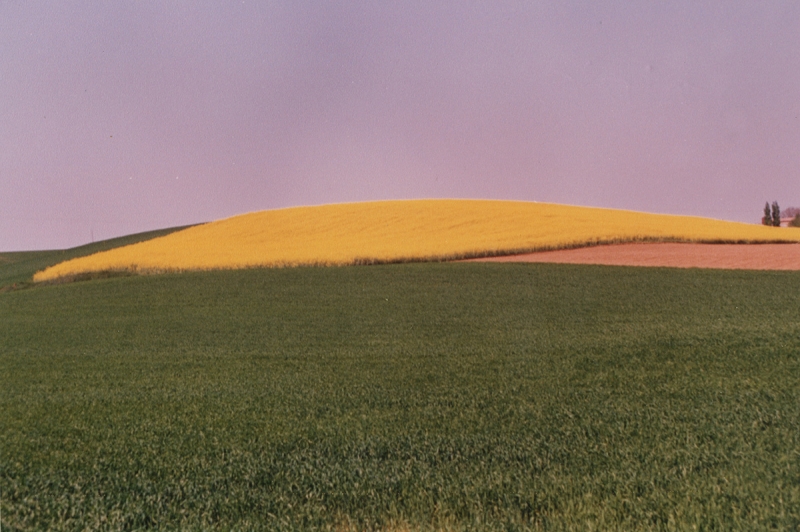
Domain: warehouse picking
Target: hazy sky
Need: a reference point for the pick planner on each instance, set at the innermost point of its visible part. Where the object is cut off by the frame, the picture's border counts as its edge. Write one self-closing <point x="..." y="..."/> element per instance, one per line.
<point x="125" y="116"/>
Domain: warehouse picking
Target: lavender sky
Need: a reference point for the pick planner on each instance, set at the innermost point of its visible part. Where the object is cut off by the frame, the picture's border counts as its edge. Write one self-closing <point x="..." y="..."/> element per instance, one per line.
<point x="125" y="116"/>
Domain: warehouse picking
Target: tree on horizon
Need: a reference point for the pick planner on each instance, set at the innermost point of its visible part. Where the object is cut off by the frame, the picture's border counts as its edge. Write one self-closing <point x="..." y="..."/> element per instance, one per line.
<point x="790" y="212"/>
<point x="776" y="214"/>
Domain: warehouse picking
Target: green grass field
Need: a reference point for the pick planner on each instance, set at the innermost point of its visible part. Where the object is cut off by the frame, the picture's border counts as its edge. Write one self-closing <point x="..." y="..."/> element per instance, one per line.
<point x="418" y="396"/>
<point x="17" y="267"/>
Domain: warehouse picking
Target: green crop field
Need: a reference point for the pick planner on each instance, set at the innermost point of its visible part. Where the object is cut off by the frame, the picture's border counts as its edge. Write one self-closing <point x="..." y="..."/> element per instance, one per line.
<point x="17" y="267"/>
<point x="404" y="397"/>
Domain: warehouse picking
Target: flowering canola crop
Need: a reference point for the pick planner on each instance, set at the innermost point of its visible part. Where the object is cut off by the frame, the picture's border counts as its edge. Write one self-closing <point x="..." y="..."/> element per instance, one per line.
<point x="400" y="231"/>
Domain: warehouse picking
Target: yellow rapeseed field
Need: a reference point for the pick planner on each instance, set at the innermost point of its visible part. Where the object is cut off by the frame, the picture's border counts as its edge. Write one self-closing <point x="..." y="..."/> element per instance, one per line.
<point x="397" y="231"/>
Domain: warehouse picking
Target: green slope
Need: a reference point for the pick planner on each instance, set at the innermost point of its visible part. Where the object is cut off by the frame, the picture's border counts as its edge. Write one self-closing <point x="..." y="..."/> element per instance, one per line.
<point x="459" y="396"/>
<point x="17" y="267"/>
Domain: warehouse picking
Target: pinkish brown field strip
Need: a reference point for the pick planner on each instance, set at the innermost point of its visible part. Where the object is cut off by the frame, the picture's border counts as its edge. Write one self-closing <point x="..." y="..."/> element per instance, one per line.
<point x="723" y="256"/>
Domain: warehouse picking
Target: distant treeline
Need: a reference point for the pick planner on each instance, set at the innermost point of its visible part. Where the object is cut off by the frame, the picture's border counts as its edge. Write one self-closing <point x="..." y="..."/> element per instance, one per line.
<point x="774" y="216"/>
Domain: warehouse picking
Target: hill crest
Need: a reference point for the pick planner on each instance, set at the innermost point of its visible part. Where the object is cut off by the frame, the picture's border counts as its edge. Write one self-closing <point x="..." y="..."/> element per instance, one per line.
<point x="402" y="231"/>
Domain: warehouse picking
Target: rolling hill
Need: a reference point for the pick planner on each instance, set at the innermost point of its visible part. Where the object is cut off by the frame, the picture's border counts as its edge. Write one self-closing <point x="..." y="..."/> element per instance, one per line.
<point x="401" y="231"/>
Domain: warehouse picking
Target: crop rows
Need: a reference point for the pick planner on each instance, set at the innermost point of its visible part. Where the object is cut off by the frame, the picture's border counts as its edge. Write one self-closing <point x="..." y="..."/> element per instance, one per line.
<point x="402" y="231"/>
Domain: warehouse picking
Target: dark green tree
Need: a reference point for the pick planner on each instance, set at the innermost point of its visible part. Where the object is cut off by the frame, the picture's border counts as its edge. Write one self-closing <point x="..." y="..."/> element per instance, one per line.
<point x="767" y="218"/>
<point x="776" y="214"/>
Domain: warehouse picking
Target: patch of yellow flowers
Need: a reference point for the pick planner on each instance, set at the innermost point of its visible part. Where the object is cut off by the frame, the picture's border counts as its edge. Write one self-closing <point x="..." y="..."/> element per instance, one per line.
<point x="399" y="231"/>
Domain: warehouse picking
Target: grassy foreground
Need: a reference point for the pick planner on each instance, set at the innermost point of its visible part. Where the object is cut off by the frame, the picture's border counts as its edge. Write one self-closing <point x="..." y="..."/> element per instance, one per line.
<point x="403" y="231"/>
<point x="417" y="396"/>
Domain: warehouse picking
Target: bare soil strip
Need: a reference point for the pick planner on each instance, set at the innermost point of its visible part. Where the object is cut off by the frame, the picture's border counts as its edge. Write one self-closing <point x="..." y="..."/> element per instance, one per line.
<point x="722" y="256"/>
